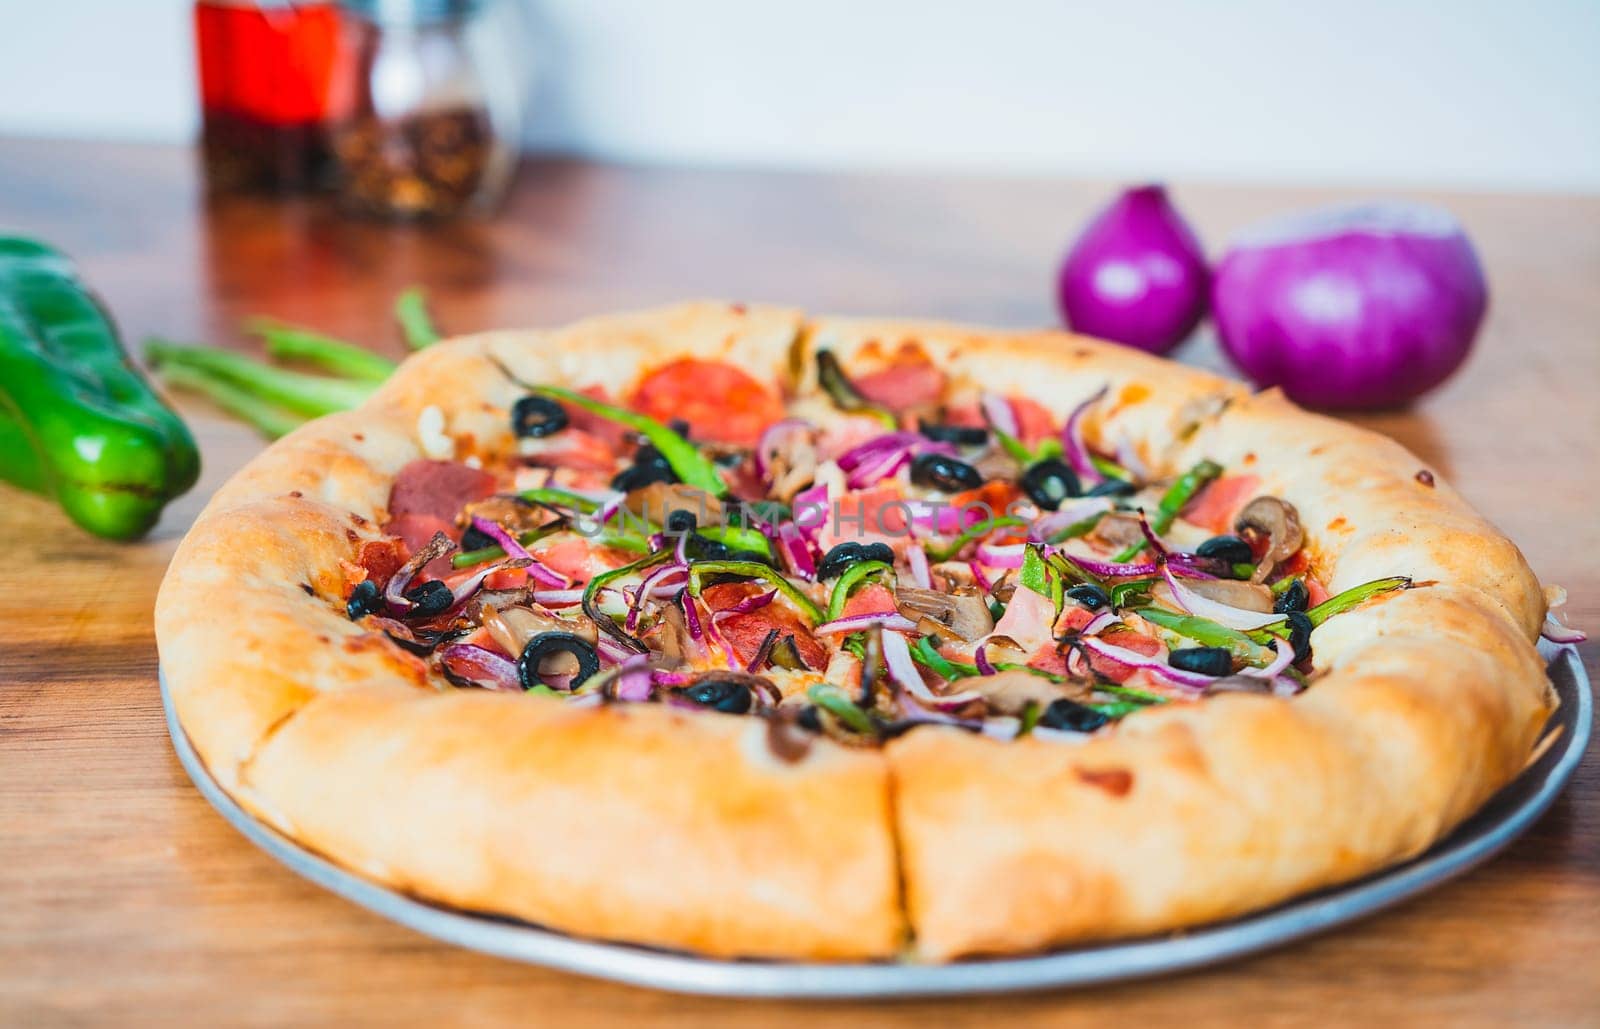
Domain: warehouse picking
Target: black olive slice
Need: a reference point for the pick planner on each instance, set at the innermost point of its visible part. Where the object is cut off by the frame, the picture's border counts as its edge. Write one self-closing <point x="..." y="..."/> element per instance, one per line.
<point x="1295" y="598"/>
<point x="428" y="599"/>
<point x="1072" y="716"/>
<point x="838" y="558"/>
<point x="945" y="473"/>
<point x="1089" y="595"/>
<point x="1300" y="634"/>
<point x="1203" y="660"/>
<point x="1229" y="549"/>
<point x="547" y="644"/>
<point x="1049" y="482"/>
<point x="475" y="538"/>
<point x="1112" y="488"/>
<point x="961" y="435"/>
<point x="535" y="416"/>
<point x="365" y="599"/>
<point x="726" y="695"/>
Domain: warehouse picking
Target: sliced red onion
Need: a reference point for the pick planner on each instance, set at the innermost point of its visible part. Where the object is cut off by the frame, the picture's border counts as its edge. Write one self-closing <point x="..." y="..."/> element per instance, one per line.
<point x="942" y="519"/>
<point x="811" y="510"/>
<point x="507" y="542"/>
<point x="1071" y="514"/>
<point x="1555" y="632"/>
<point x="672" y="679"/>
<point x="980" y="658"/>
<point x="1112" y="569"/>
<point x="998" y="412"/>
<point x="1008" y="555"/>
<point x="917" y="559"/>
<point x="481" y="667"/>
<point x="897" y="659"/>
<point x="747" y="605"/>
<point x="610" y="650"/>
<point x="1100" y="623"/>
<point x="468" y="586"/>
<point x="869" y="620"/>
<point x="1072" y="445"/>
<point x="1158" y="665"/>
<point x="1283" y="658"/>
<point x="654" y="586"/>
<point x="1215" y="610"/>
<point x="557" y="598"/>
<point x="610" y="506"/>
<point x="691" y="618"/>
<point x="394" y="591"/>
<point x="634" y="681"/>
<point x="1156" y="546"/>
<point x="796" y="551"/>
<point x="775" y="438"/>
<point x="979" y="578"/>
<point x="883" y="456"/>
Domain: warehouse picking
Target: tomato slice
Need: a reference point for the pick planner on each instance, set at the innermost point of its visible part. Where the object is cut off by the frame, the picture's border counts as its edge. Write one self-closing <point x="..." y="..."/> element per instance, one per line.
<point x="720" y="402"/>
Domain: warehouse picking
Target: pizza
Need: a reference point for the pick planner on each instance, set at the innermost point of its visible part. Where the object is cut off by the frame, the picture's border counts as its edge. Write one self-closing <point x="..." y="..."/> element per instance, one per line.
<point x="751" y="634"/>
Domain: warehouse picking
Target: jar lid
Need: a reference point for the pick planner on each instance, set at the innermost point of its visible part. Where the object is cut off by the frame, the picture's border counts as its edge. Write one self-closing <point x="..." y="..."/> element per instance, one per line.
<point x="410" y="12"/>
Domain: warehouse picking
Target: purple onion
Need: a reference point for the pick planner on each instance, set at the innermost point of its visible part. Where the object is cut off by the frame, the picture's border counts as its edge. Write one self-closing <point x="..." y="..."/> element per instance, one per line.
<point x="1137" y="275"/>
<point x="1351" y="307"/>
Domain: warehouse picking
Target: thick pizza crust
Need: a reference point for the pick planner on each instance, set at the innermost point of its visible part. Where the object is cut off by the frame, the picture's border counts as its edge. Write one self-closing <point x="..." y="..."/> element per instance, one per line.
<point x="650" y="825"/>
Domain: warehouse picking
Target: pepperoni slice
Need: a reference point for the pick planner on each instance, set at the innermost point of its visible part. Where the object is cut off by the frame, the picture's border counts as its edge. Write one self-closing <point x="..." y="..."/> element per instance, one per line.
<point x="438" y="489"/>
<point x="721" y="403"/>
<point x="911" y="381"/>
<point x="1215" y="506"/>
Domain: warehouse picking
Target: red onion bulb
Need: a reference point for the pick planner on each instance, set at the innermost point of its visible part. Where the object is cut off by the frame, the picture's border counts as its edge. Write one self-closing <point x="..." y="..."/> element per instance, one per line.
<point x="1136" y="276"/>
<point x="1351" y="307"/>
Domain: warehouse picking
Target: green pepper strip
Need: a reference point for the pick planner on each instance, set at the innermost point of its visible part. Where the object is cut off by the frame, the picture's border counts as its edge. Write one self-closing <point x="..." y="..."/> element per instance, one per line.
<point x="310" y="395"/>
<point x="1109" y="468"/>
<point x="843" y="392"/>
<point x="1354" y="596"/>
<point x="971" y="533"/>
<point x="411" y="311"/>
<point x="1122" y="593"/>
<point x="1013" y="446"/>
<point x="834" y="701"/>
<point x="738" y="537"/>
<point x="1030" y="718"/>
<point x="1210" y="634"/>
<point x="291" y="343"/>
<point x="692" y="467"/>
<point x="560" y="498"/>
<point x="468" y="558"/>
<point x="754" y="570"/>
<point x="605" y="622"/>
<point x="1178" y="494"/>
<point x="927" y="655"/>
<point x="852" y="577"/>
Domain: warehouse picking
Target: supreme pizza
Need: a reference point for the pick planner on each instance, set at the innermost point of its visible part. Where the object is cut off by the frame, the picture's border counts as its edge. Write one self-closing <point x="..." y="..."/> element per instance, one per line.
<point x="735" y="631"/>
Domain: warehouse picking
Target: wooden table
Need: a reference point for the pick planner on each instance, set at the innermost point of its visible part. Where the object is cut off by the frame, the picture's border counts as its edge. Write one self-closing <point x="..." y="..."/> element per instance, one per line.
<point x="124" y="896"/>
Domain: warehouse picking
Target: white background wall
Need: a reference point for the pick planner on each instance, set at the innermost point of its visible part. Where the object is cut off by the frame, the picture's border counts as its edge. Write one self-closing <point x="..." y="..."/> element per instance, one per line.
<point x="1484" y="93"/>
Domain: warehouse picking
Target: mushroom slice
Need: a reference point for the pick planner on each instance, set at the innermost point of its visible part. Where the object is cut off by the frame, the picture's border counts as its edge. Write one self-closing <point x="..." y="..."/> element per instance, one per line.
<point x="513" y="627"/>
<point x="1278" y="521"/>
<point x="1010" y="692"/>
<point x="657" y="501"/>
<point x="1247" y="596"/>
<point x="1117" y="530"/>
<point x="963" y="611"/>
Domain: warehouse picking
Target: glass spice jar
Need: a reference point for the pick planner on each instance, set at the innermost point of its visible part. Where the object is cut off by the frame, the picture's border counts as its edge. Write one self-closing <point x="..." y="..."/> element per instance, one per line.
<point x="429" y="114"/>
<point x="265" y="69"/>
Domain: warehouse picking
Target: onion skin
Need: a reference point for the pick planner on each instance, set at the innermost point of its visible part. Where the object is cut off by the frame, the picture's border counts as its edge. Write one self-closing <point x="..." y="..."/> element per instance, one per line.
<point x="1351" y="308"/>
<point x="1137" y="274"/>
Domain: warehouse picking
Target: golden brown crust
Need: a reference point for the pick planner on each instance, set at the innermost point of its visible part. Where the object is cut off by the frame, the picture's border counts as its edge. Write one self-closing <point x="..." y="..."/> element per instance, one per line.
<point x="648" y="825"/>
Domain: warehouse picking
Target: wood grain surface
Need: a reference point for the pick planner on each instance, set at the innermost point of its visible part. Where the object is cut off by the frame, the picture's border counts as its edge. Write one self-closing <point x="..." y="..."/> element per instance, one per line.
<point x="125" y="898"/>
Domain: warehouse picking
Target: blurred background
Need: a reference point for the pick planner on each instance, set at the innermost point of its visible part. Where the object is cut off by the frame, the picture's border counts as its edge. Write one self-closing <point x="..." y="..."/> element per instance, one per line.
<point x="1477" y="93"/>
